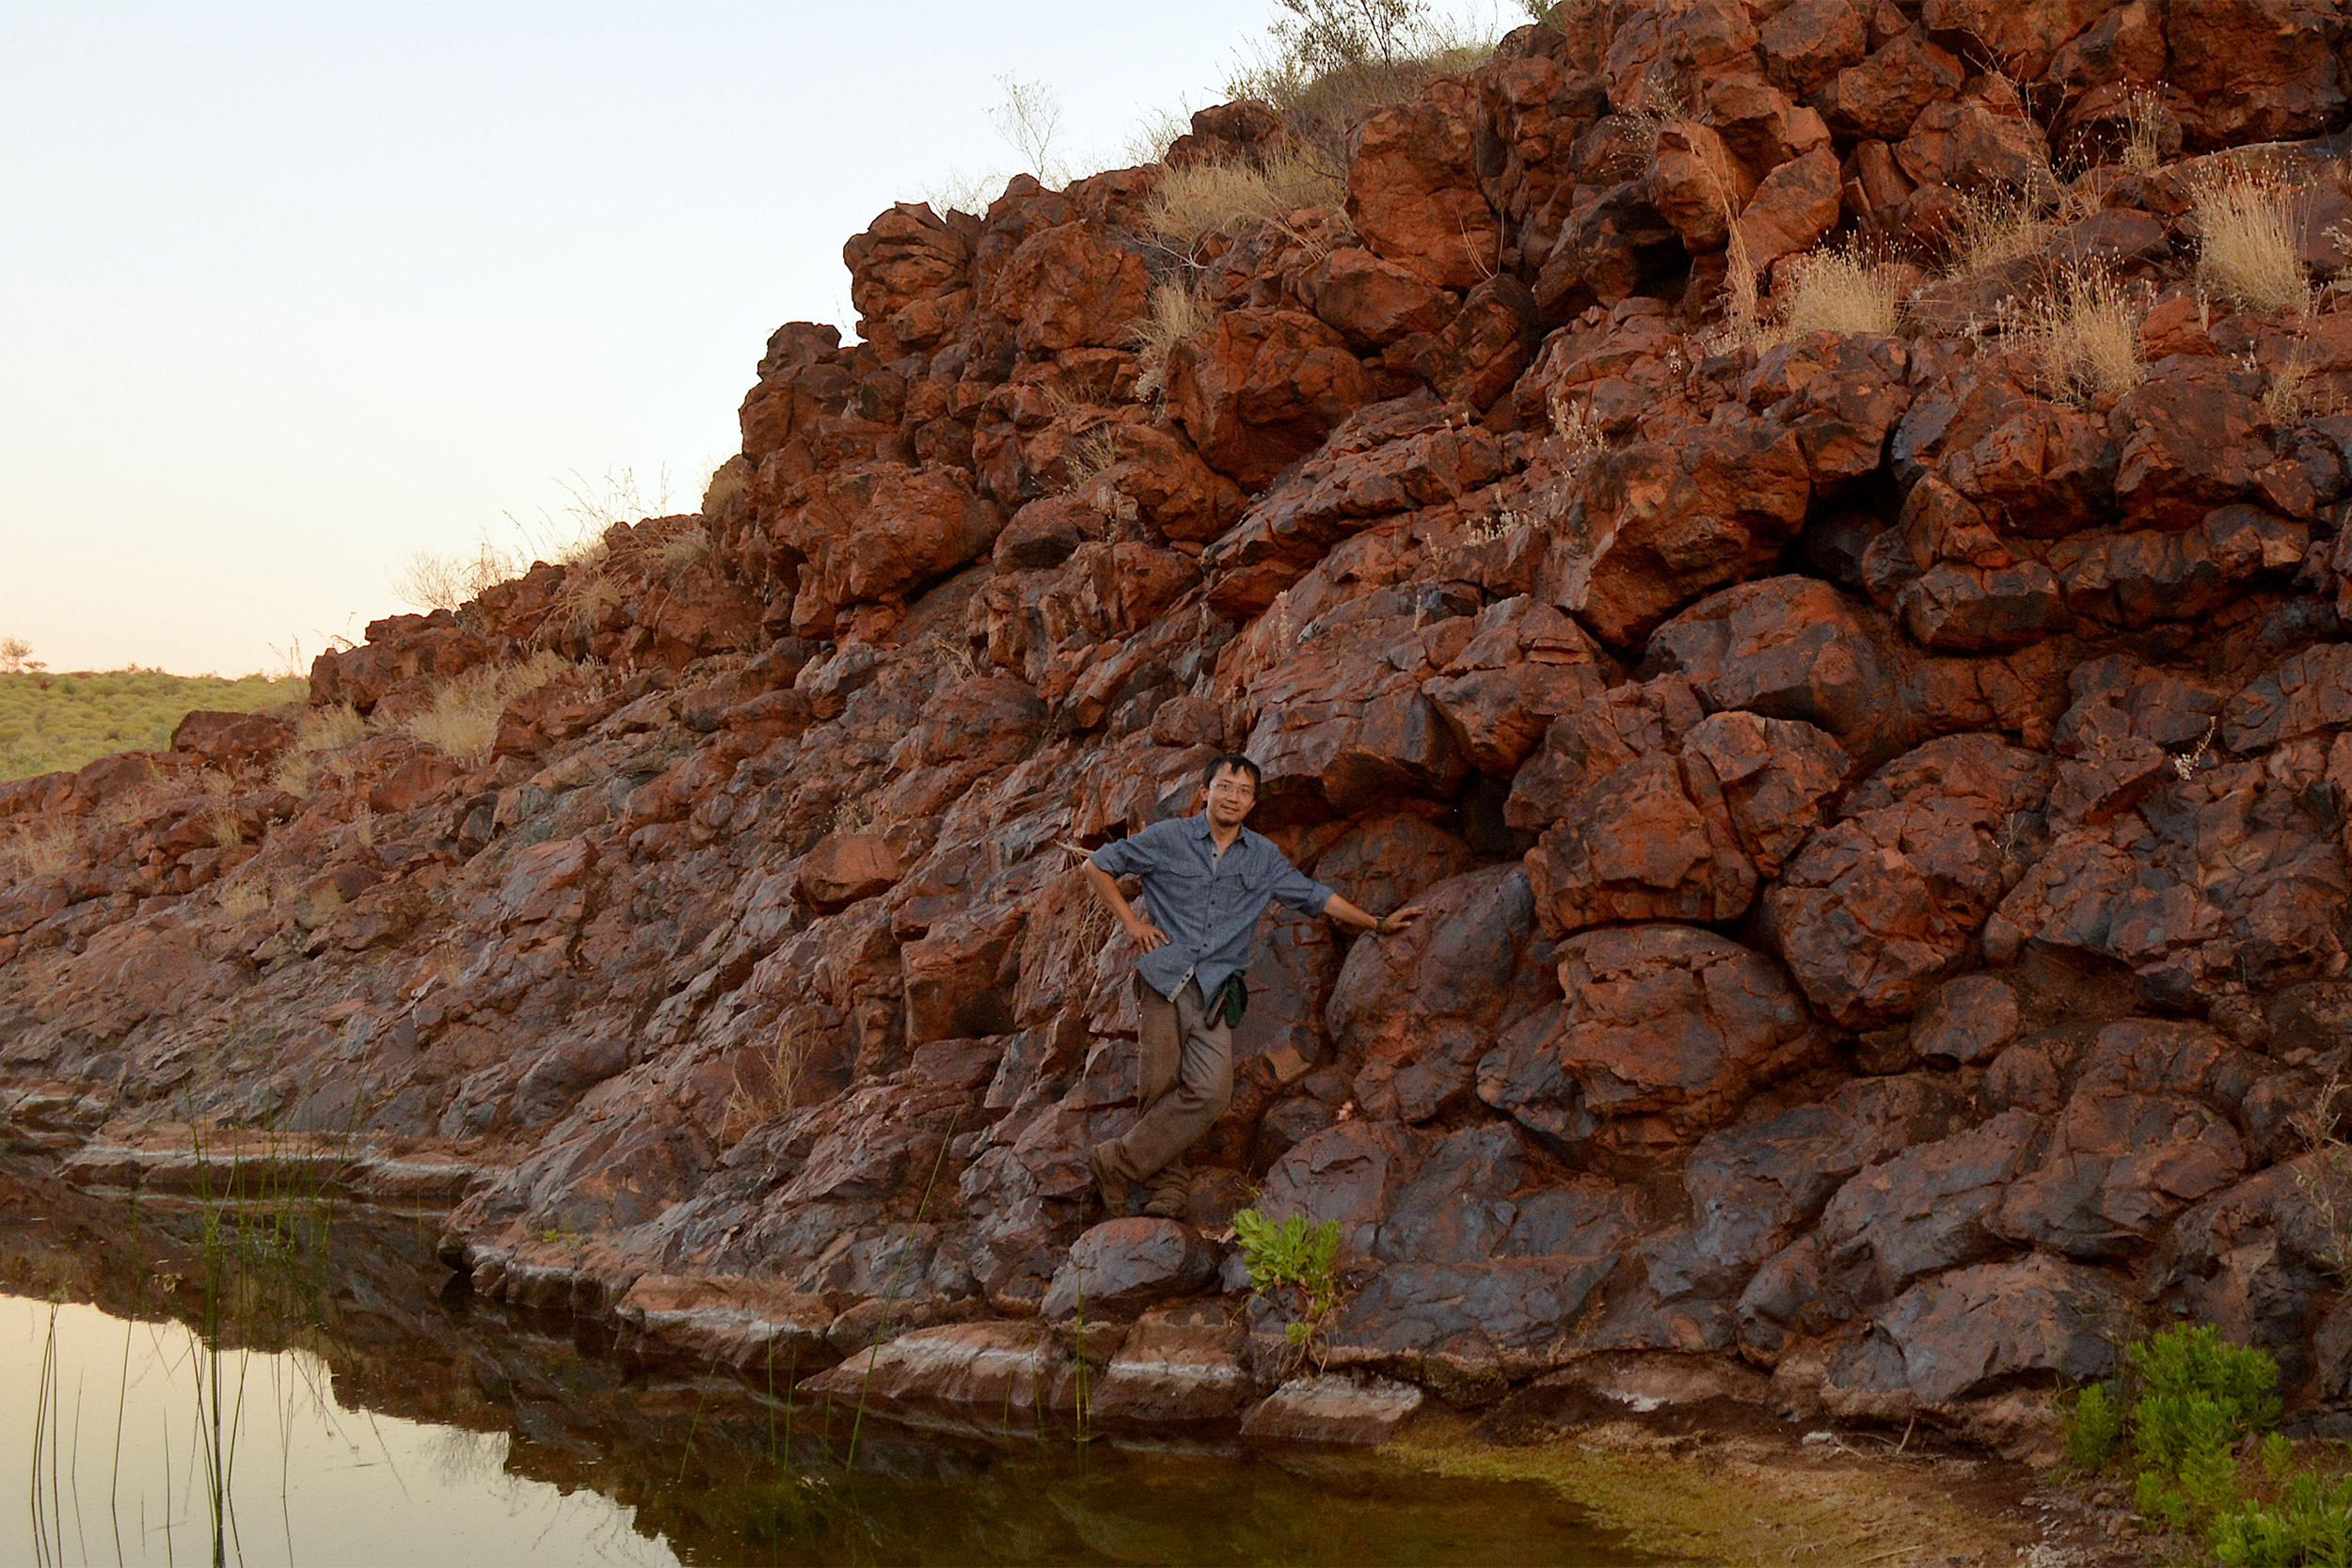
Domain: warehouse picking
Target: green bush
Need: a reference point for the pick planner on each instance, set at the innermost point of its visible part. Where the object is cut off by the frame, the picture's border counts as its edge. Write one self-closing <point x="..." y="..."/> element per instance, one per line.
<point x="2194" y="1360"/>
<point x="2199" y="1402"/>
<point x="2094" y="1428"/>
<point x="2199" y="1397"/>
<point x="2309" y="1523"/>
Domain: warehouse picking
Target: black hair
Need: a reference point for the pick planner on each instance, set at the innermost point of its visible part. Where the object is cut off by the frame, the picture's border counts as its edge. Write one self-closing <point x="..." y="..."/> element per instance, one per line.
<point x="1233" y="760"/>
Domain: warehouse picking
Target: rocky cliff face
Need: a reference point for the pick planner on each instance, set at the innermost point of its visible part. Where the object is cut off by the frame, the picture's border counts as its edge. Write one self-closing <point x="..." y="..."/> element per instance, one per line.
<point x="1883" y="820"/>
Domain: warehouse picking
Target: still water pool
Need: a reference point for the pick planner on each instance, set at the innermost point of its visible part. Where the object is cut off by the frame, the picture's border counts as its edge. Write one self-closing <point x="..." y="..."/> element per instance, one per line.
<point x="396" y="1418"/>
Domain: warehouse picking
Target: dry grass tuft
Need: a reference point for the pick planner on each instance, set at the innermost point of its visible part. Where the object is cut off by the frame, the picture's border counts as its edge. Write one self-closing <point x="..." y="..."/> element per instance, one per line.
<point x="43" y="852"/>
<point x="2143" y="131"/>
<point x="2084" y="335"/>
<point x="462" y="721"/>
<point x="1090" y="454"/>
<point x="319" y="729"/>
<point x="1227" y="199"/>
<point x="851" y="814"/>
<point x="1997" y="226"/>
<point x="1335" y="61"/>
<point x="592" y="579"/>
<point x="1578" y="433"/>
<point x="241" y="898"/>
<point x="771" y="1087"/>
<point x="583" y="595"/>
<point x="2292" y="397"/>
<point x="2252" y="252"/>
<point x="1176" y="312"/>
<point x="730" y="482"/>
<point x="1839" y="290"/>
<point x="433" y="582"/>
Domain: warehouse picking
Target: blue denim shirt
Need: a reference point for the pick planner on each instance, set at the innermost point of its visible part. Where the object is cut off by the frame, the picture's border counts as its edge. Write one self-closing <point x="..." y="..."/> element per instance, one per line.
<point x="1208" y="904"/>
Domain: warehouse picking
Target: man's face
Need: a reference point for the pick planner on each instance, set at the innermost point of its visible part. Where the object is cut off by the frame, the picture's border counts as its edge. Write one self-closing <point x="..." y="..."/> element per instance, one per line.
<point x="1231" y="793"/>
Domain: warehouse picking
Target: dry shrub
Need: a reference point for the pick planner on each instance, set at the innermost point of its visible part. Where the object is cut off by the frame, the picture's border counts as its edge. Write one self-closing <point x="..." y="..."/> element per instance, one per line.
<point x="2143" y="131"/>
<point x="1839" y="290"/>
<point x="463" y="720"/>
<point x="42" y="852"/>
<point x="1225" y="198"/>
<point x="586" y="591"/>
<point x="771" y="1087"/>
<point x="1150" y="138"/>
<point x="1997" y="226"/>
<point x="851" y="814"/>
<point x="681" y="549"/>
<point x="432" y="582"/>
<point x="2290" y="399"/>
<point x="2252" y="252"/>
<point x="592" y="580"/>
<point x="2084" y="334"/>
<point x="1579" y="432"/>
<point x="320" y="729"/>
<point x="241" y="897"/>
<point x="295" y="773"/>
<point x="1335" y="61"/>
<point x="729" y="480"/>
<point x="1090" y="454"/>
<point x="1176" y="312"/>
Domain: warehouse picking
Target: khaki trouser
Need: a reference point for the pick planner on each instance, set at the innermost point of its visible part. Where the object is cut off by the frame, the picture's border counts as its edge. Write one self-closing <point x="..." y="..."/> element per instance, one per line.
<point x="1187" y="1080"/>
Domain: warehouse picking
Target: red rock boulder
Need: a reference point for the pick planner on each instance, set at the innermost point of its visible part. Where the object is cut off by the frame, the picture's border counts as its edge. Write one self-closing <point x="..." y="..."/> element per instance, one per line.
<point x="1257" y="390"/>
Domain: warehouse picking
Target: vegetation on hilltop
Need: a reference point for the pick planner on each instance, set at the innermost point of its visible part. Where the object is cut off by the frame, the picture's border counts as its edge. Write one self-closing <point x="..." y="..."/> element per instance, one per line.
<point x="50" y="720"/>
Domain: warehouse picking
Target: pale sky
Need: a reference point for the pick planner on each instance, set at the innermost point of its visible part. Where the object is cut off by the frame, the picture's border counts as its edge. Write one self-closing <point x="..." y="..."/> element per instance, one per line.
<point x="288" y="292"/>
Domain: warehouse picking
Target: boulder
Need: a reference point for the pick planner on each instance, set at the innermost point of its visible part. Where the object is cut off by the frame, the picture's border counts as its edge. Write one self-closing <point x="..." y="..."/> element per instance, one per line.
<point x="231" y="741"/>
<point x="1072" y="286"/>
<point x="1792" y="208"/>
<point x="844" y="869"/>
<point x="972" y="1375"/>
<point x="1476" y="357"/>
<point x="1927" y="1208"/>
<point x="1966" y="1021"/>
<point x="1125" y="1264"/>
<point x="1525" y="665"/>
<point x="1651" y="840"/>
<point x="1809" y="41"/>
<point x="1881" y="906"/>
<point x="1882" y="96"/>
<point x="1665" y="1029"/>
<point x="1973" y="1329"/>
<point x="1257" y="390"/>
<point x="1413" y="189"/>
<point x="1662" y="523"/>
<point x="1372" y="301"/>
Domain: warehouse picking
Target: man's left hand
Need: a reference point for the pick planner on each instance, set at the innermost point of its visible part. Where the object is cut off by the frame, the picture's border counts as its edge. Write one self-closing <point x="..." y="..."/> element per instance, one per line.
<point x="1402" y="920"/>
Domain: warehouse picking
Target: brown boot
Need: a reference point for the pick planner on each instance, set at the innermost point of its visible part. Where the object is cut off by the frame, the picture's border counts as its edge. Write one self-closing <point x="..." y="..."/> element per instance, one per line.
<point x="1171" y="1192"/>
<point x="1113" y="1186"/>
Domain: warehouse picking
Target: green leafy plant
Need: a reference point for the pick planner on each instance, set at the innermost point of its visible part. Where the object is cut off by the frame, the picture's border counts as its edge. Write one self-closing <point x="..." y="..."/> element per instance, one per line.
<point x="2309" y="1522"/>
<point x="2094" y="1428"/>
<point x="2198" y="1398"/>
<point x="1294" y="1264"/>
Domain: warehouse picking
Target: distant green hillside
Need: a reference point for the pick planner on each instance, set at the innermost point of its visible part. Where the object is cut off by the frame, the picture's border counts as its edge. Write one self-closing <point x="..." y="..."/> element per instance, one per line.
<point x="48" y="721"/>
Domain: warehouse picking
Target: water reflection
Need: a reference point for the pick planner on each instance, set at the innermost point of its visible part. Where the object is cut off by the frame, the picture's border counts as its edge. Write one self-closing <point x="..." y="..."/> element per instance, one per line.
<point x="143" y="1444"/>
<point x="236" y="1385"/>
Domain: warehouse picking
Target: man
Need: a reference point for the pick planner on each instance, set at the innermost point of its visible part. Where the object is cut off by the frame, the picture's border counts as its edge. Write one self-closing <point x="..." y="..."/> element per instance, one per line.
<point x="1207" y="880"/>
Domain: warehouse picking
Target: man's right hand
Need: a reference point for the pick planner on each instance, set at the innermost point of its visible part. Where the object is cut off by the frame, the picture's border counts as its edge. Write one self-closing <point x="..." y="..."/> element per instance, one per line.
<point x="1147" y="935"/>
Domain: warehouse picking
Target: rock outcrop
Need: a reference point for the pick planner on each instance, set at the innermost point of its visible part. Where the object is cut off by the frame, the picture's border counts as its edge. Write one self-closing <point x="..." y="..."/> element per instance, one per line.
<point x="1880" y="812"/>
